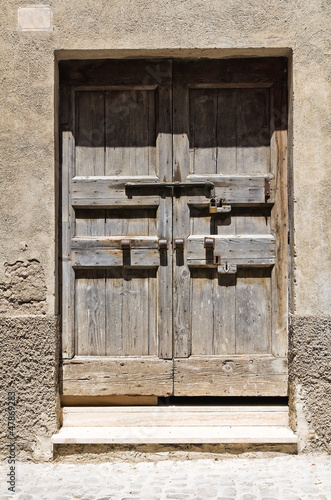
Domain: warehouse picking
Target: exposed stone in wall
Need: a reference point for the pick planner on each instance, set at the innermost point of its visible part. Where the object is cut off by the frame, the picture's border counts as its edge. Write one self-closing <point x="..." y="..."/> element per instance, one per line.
<point x="24" y="289"/>
<point x="310" y="381"/>
<point x="29" y="367"/>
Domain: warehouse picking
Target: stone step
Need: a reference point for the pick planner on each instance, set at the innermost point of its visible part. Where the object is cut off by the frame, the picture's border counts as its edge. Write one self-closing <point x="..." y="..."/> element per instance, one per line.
<point x="281" y="435"/>
<point x="175" y="416"/>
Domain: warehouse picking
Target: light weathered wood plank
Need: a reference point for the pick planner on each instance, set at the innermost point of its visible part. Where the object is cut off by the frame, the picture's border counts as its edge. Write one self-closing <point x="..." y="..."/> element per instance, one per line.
<point x="136" y="302"/>
<point x="229" y="248"/>
<point x="236" y="190"/>
<point x="230" y="376"/>
<point x="171" y="416"/>
<point x="90" y="313"/>
<point x="253" y="311"/>
<point x="67" y="228"/>
<point x="202" y="311"/>
<point x="147" y="376"/>
<point x="164" y="222"/>
<point x="114" y="312"/>
<point x="104" y="257"/>
<point x="224" y="331"/>
<point x="106" y="192"/>
<point x="279" y="220"/>
<point x="89" y="223"/>
<point x="181" y="224"/>
<point x="81" y="243"/>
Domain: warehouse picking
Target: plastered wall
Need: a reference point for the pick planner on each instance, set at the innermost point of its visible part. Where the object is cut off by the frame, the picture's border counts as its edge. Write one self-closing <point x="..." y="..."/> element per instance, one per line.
<point x="32" y="41"/>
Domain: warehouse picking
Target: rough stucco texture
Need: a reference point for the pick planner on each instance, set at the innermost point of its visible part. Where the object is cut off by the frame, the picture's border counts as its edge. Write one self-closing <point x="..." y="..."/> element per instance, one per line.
<point x="23" y="291"/>
<point x="29" y="360"/>
<point x="310" y="380"/>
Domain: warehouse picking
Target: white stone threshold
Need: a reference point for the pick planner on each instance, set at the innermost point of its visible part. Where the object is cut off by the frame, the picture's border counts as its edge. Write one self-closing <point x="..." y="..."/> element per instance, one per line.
<point x="176" y="435"/>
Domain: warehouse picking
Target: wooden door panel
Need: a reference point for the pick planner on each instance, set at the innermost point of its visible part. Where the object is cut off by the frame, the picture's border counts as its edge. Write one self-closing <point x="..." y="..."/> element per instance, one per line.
<point x="192" y="318"/>
<point x="116" y="129"/>
<point x="226" y="125"/>
<point x="230" y="376"/>
<point x="229" y="131"/>
<point x="130" y="132"/>
<point x="103" y="376"/>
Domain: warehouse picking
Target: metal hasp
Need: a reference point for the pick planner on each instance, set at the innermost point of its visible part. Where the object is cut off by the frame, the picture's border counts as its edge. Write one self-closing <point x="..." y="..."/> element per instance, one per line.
<point x="179" y="243"/>
<point x="126" y="244"/>
<point x="209" y="243"/>
<point x="216" y="206"/>
<point x="162" y="243"/>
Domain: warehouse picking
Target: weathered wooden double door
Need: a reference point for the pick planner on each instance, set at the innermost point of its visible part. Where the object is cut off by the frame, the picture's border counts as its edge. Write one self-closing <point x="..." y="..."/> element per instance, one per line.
<point x="174" y="227"/>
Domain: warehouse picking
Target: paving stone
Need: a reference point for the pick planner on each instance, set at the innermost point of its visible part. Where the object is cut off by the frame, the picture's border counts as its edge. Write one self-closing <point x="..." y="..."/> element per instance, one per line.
<point x="277" y="478"/>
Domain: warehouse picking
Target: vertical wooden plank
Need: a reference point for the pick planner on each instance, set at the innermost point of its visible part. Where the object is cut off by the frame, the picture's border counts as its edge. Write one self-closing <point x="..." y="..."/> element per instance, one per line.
<point x="279" y="219"/>
<point x="135" y="315"/>
<point x="201" y="221"/>
<point x="164" y="221"/>
<point x="90" y="222"/>
<point x="227" y="131"/>
<point x="153" y="300"/>
<point x="253" y="311"/>
<point x="130" y="132"/>
<point x="203" y="130"/>
<point x="90" y="133"/>
<point x="252" y="220"/>
<point x="181" y="223"/>
<point x="202" y="308"/>
<point x="151" y="144"/>
<point x="90" y="313"/>
<point x="253" y="131"/>
<point x="90" y="286"/>
<point x="68" y="276"/>
<point x="224" y="338"/>
<point x="114" y="312"/>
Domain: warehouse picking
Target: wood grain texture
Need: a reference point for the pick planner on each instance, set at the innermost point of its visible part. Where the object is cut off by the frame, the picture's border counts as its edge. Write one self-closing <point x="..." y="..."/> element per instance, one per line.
<point x="104" y="257"/>
<point x="230" y="376"/>
<point x="231" y="248"/>
<point x="173" y="416"/>
<point x="101" y="376"/>
<point x="190" y="121"/>
<point x="181" y="225"/>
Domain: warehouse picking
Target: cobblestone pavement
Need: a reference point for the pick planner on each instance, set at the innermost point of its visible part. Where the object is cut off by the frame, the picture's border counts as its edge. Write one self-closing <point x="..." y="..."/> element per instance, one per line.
<point x="282" y="477"/>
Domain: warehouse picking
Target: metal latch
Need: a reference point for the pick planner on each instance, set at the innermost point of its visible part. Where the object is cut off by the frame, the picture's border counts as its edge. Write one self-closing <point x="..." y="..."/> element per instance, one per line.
<point x="126" y="244"/>
<point x="179" y="243"/>
<point x="227" y="268"/>
<point x="216" y="206"/>
<point x="162" y="243"/>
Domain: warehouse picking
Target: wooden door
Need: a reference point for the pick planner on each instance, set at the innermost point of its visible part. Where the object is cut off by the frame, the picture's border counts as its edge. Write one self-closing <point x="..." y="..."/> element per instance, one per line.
<point x="117" y="287"/>
<point x="230" y="278"/>
<point x="174" y="227"/>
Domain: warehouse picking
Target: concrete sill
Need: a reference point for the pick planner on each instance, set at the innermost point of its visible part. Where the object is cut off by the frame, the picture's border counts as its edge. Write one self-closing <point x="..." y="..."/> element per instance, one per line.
<point x="282" y="435"/>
